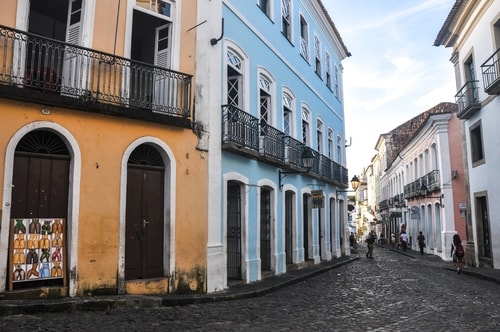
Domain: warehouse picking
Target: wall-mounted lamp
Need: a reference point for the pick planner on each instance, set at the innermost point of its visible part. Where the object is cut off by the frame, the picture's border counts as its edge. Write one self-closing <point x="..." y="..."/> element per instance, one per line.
<point x="424" y="191"/>
<point x="354" y="185"/>
<point x="214" y="41"/>
<point x="308" y="158"/>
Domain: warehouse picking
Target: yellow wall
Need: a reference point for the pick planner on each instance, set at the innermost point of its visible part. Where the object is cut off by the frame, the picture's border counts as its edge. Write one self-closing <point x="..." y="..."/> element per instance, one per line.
<point x="102" y="141"/>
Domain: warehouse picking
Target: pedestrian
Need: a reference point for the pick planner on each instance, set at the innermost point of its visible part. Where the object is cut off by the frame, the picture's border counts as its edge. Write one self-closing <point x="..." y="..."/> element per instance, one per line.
<point x="457" y="253"/>
<point x="393" y="240"/>
<point x="370" y="241"/>
<point x="403" y="238"/>
<point x="352" y="240"/>
<point x="421" y="242"/>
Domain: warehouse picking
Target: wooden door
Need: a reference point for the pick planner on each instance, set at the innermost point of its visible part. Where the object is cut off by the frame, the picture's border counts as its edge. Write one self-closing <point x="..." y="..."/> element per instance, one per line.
<point x="144" y="246"/>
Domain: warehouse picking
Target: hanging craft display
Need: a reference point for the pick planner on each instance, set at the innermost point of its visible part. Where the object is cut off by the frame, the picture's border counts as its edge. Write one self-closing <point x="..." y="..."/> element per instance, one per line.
<point x="37" y="249"/>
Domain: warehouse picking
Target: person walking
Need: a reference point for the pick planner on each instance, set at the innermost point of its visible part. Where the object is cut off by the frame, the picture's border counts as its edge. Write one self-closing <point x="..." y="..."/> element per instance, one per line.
<point x="457" y="253"/>
<point x="421" y="242"/>
<point x="404" y="240"/>
<point x="370" y="241"/>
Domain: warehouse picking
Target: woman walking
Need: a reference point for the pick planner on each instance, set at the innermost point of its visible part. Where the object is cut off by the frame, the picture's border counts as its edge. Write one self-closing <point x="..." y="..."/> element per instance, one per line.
<point x="457" y="253"/>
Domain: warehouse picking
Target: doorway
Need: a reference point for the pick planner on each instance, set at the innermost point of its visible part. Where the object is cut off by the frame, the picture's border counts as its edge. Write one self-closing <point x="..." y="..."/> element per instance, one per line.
<point x="144" y="233"/>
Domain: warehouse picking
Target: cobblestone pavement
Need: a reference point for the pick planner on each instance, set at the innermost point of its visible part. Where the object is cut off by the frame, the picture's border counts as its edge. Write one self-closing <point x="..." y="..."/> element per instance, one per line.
<point x="392" y="292"/>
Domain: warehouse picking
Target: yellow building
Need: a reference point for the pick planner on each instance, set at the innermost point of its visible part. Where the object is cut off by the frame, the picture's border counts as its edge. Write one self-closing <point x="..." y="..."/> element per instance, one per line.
<point x="101" y="162"/>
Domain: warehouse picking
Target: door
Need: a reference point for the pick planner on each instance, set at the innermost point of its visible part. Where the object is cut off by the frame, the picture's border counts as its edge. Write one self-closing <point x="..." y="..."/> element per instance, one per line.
<point x="305" y="223"/>
<point x="484" y="227"/>
<point x="40" y="189"/>
<point x="289" y="226"/>
<point x="164" y="92"/>
<point x="75" y="66"/>
<point x="265" y="229"/>
<point x="144" y="246"/>
<point x="233" y="231"/>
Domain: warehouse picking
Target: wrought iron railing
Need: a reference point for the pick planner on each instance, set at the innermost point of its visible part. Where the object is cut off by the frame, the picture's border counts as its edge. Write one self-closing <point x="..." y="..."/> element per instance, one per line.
<point x="293" y="151"/>
<point x="32" y="61"/>
<point x="467" y="99"/>
<point x="242" y="134"/>
<point x="272" y="142"/>
<point x="239" y="128"/>
<point x="430" y="180"/>
<point x="491" y="73"/>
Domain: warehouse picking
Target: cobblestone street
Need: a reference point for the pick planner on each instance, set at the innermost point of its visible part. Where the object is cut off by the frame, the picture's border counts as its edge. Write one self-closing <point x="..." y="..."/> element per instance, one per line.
<point x="392" y="292"/>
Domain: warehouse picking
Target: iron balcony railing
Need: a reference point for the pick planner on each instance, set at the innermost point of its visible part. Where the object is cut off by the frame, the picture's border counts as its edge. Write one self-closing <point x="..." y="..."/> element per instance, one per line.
<point x="242" y="134"/>
<point x="239" y="129"/>
<point x="32" y="61"/>
<point x="467" y="99"/>
<point x="491" y="73"/>
<point x="430" y="180"/>
<point x="272" y="143"/>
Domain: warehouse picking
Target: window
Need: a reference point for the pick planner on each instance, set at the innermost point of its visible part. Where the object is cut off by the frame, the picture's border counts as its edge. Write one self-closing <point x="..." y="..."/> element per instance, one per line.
<point x="286" y="19"/>
<point x="304" y="40"/>
<point x="162" y="7"/>
<point x="319" y="136"/>
<point x="305" y="126"/>
<point x="330" y="143"/>
<point x="476" y="145"/>
<point x="317" y="55"/>
<point x="265" y="6"/>
<point x="328" y="70"/>
<point x="234" y="79"/>
<point x="470" y="76"/>
<point x="337" y="81"/>
<point x="339" y="150"/>
<point x="264" y="102"/>
<point x="287" y="114"/>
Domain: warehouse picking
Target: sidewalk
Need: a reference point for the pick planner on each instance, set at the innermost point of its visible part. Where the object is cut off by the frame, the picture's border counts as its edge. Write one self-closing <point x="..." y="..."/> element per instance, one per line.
<point x="484" y="273"/>
<point x="234" y="292"/>
<point x="239" y="291"/>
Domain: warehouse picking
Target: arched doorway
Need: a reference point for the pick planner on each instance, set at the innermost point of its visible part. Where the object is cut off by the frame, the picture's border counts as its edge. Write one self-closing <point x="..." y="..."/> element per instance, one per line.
<point x="144" y="230"/>
<point x="40" y="188"/>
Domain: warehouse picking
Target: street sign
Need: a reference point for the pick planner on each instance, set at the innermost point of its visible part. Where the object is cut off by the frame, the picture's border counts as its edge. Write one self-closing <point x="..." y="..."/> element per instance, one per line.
<point x="318" y="199"/>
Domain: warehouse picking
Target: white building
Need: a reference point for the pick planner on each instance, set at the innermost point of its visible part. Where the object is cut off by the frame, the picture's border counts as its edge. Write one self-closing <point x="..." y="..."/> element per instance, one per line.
<point x="472" y="30"/>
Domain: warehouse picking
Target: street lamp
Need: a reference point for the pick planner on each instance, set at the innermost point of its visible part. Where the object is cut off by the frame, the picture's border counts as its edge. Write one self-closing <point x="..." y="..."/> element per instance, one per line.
<point x="308" y="158"/>
<point x="354" y="185"/>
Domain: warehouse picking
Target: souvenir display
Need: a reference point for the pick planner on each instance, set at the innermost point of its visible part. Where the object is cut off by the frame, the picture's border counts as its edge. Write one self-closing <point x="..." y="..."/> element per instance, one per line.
<point x="37" y="249"/>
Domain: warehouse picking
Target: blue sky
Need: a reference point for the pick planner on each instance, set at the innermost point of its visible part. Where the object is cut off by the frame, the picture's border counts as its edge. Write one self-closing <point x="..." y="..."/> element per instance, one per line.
<point x="394" y="72"/>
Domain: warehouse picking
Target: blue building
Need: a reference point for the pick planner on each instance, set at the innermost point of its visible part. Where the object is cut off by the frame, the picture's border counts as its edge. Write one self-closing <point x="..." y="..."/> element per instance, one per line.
<point x="283" y="140"/>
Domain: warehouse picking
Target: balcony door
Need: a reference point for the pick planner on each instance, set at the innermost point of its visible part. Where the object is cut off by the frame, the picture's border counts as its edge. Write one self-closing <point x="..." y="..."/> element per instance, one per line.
<point x="51" y="66"/>
<point x="151" y="44"/>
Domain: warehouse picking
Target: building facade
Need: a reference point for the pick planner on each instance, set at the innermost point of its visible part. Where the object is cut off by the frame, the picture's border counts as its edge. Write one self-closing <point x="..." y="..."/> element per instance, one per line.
<point x="472" y="31"/>
<point x="100" y="149"/>
<point x="423" y="182"/>
<point x="282" y="107"/>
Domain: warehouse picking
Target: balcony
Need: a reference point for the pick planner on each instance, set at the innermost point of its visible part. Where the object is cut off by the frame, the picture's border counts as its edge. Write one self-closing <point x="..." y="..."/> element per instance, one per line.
<point x="430" y="180"/>
<point x="42" y="70"/>
<point x="491" y="74"/>
<point x="242" y="134"/>
<point x="468" y="100"/>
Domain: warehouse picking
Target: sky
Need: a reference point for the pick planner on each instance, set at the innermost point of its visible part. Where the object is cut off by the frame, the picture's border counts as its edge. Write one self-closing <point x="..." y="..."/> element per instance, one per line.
<point x="394" y="72"/>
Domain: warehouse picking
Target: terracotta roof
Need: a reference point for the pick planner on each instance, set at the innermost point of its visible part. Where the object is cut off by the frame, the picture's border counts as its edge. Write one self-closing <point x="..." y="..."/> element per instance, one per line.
<point x="401" y="135"/>
<point x="334" y="28"/>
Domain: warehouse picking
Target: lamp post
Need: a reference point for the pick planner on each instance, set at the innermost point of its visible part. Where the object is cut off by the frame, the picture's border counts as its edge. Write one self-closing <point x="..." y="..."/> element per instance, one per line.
<point x="308" y="158"/>
<point x="354" y="185"/>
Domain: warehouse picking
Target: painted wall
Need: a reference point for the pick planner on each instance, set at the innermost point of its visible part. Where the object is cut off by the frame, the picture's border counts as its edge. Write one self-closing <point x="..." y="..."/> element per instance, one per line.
<point x="102" y="141"/>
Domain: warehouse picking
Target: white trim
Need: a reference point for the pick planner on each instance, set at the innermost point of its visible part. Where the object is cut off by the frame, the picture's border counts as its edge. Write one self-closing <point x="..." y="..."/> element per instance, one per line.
<point x="169" y="206"/>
